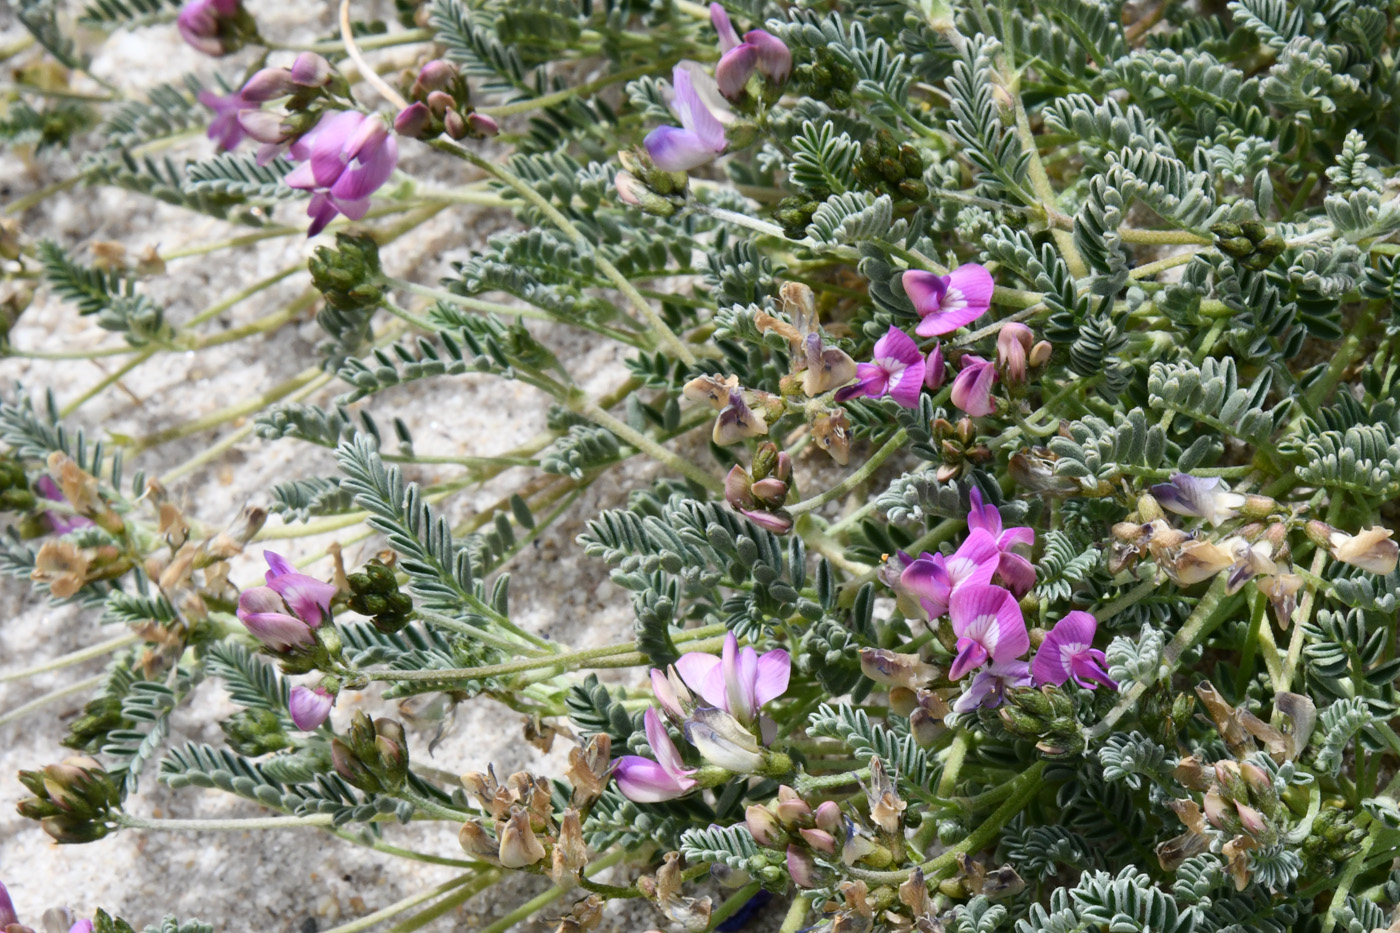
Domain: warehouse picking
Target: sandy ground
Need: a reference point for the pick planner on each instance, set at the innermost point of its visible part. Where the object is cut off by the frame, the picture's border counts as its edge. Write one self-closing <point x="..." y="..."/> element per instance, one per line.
<point x="294" y="880"/>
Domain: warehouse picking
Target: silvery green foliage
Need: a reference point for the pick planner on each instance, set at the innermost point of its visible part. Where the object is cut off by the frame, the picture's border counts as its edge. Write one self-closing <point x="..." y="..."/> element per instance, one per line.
<point x="1192" y="209"/>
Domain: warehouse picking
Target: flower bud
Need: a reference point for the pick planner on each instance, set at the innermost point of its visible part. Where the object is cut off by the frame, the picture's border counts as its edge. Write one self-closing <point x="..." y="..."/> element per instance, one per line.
<point x="436" y="75"/>
<point x="765" y="460"/>
<point x="792" y="809"/>
<point x="311" y="70"/>
<point x="413" y="120"/>
<point x="454" y="125"/>
<point x="801" y="867"/>
<point x="763" y="826"/>
<point x="1013" y="344"/>
<point x="479" y="124"/>
<point x="268" y="84"/>
<point x="780" y="523"/>
<point x="351" y="769"/>
<point x="771" y="492"/>
<point x="1251" y="819"/>
<point x="1215" y="809"/>
<point x="1040" y="354"/>
<point x="820" y="840"/>
<point x="632" y="190"/>
<point x="828" y="817"/>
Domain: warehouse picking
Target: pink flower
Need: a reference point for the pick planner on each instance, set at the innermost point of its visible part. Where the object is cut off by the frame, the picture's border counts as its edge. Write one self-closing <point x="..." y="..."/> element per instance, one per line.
<point x="1067" y="653"/>
<point x="202" y="24"/>
<point x="933" y="578"/>
<point x="7" y="908"/>
<point x="935" y="369"/>
<point x="987" y="621"/>
<point x="897" y="371"/>
<point x="700" y="137"/>
<point x="348" y="156"/>
<point x="268" y="619"/>
<point x="1015" y="571"/>
<point x="972" y="388"/>
<point x="739" y="682"/>
<point x="225" y="129"/>
<point x="1013" y="344"/>
<point x="728" y="35"/>
<point x="308" y="597"/>
<point x="646" y="781"/>
<point x="947" y="302"/>
<point x="989" y="687"/>
<point x="309" y="708"/>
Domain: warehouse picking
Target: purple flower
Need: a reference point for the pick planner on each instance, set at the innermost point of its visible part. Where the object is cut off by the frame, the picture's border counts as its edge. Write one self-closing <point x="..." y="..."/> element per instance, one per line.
<point x="935" y="369"/>
<point x="728" y="36"/>
<point x="309" y="708"/>
<point x="348" y="155"/>
<point x="700" y="137"/>
<point x="7" y="908"/>
<point x="308" y="597"/>
<point x="646" y="781"/>
<point x="1197" y="497"/>
<point x="947" y="302"/>
<point x="987" y="621"/>
<point x="972" y="388"/>
<point x="774" y="57"/>
<point x="734" y="68"/>
<point x="989" y="687"/>
<point x="739" y="681"/>
<point x="201" y="23"/>
<point x="933" y="578"/>
<point x="225" y="129"/>
<point x="1067" y="653"/>
<point x="1015" y="571"/>
<point x="268" y="619"/>
<point x="82" y="926"/>
<point x="897" y="371"/>
<point x="60" y="523"/>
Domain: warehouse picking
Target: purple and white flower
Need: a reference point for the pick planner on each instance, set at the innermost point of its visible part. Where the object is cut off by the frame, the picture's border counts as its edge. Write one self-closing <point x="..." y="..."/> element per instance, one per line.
<point x="947" y="302"/>
<point x="972" y="387"/>
<point x="645" y="781"/>
<point x="701" y="110"/>
<point x="759" y="50"/>
<point x="988" y="689"/>
<point x="308" y="597"/>
<point x="1199" y="497"/>
<point x="933" y="578"/>
<point x="309" y="708"/>
<point x="224" y="128"/>
<point x="988" y="624"/>
<point x="347" y="157"/>
<point x="897" y="370"/>
<point x="723" y="741"/>
<point x="1015" y="570"/>
<point x="739" y="681"/>
<point x="1068" y="654"/>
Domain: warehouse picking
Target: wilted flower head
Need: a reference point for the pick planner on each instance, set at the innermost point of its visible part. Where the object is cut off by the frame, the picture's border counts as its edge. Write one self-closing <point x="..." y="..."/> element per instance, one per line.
<point x="347" y="157"/>
<point x="947" y="302"/>
<point x="646" y="781"/>
<point x="60" y="523"/>
<point x="309" y="708"/>
<point x="205" y="24"/>
<point x="988" y="623"/>
<point x="723" y="741"/>
<point x="1199" y="497"/>
<point x="933" y="578"/>
<point x="1068" y="653"/>
<point x="827" y="367"/>
<point x="1282" y="590"/>
<point x="702" y="113"/>
<point x="1370" y="549"/>
<point x="740" y="681"/>
<point x="897" y="370"/>
<point x="988" y="688"/>
<point x="972" y="387"/>
<point x="737" y="421"/>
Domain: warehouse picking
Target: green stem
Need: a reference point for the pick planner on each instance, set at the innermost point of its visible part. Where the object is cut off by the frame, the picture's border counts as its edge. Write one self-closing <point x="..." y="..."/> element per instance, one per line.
<point x="582" y="90"/>
<point x="128" y="821"/>
<point x="732" y="904"/>
<point x="548" y="897"/>
<point x="797" y="913"/>
<point x="642" y="442"/>
<point x="952" y="765"/>
<point x="369" y="920"/>
<point x="677" y="348"/>
<point x="76" y="657"/>
<point x="19" y="712"/>
<point x="867" y="469"/>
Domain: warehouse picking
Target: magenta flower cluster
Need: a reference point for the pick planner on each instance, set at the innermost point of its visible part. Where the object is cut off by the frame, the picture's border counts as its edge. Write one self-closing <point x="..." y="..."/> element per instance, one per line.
<point x="978" y="588"/>
<point x="734" y="687"/>
<point x="284" y="613"/>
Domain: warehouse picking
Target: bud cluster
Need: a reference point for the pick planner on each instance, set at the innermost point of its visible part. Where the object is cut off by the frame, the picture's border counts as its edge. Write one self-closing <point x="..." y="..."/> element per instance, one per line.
<point x="1250" y="242"/>
<point x="373" y="756"/>
<point x="348" y="276"/>
<point x="889" y="166"/>
<point x="962" y="450"/>
<point x="376" y="594"/>
<point x="442" y="104"/>
<point x="74" y="801"/>
<point x="1046" y="714"/>
<point x="760" y="494"/>
<point x="15" y="495"/>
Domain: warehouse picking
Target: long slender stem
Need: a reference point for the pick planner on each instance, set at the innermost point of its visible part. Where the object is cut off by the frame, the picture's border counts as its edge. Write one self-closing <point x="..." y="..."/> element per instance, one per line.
<point x="867" y="469"/>
<point x="230" y="825"/>
<point x="369" y="920"/>
<point x="75" y="657"/>
<point x="548" y="897"/>
<point x="19" y="712"/>
<point x="637" y="439"/>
